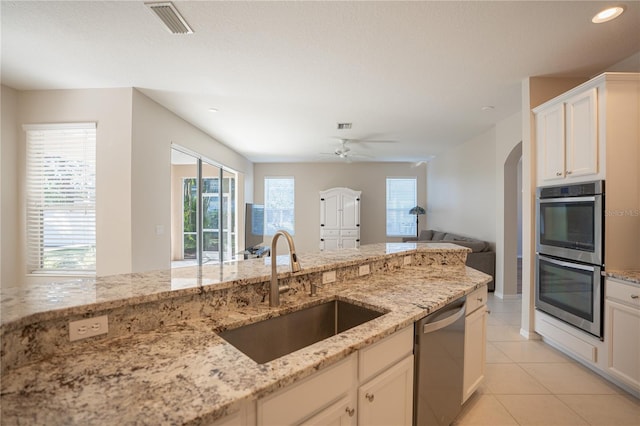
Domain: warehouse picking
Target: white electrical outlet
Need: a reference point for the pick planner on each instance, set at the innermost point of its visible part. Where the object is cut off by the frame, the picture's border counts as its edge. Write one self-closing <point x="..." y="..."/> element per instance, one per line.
<point x="364" y="270"/>
<point x="407" y="260"/>
<point x="328" y="277"/>
<point x="89" y="327"/>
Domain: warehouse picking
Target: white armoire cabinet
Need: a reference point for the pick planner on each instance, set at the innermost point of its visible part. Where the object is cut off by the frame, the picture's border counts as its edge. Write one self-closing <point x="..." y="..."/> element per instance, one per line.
<point x="339" y="218"/>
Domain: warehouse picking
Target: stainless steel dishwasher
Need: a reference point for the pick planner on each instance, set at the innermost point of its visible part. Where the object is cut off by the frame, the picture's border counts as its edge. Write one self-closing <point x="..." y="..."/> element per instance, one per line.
<point x="439" y="364"/>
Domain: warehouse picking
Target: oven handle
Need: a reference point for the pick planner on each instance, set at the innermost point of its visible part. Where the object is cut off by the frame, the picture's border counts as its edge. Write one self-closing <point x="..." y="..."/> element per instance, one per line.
<point x="568" y="199"/>
<point x="568" y="264"/>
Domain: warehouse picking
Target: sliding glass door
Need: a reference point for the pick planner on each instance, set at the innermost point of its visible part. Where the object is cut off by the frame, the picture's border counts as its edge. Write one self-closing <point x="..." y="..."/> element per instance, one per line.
<point x="207" y="211"/>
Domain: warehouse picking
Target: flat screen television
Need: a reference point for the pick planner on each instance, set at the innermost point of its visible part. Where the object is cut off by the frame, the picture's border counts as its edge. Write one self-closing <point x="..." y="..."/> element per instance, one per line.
<point x="253" y="226"/>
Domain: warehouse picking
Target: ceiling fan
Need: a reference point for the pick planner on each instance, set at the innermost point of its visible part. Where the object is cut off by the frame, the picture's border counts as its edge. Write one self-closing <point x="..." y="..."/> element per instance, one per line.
<point x="346" y="154"/>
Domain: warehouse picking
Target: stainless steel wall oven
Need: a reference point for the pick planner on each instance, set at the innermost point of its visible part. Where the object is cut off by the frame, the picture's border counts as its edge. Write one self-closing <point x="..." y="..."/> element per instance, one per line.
<point x="570" y="254"/>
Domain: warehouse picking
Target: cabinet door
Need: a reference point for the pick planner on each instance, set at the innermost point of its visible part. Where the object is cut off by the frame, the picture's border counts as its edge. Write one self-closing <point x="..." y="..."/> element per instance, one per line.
<point x="387" y="399"/>
<point x="550" y="134"/>
<point x="475" y="347"/>
<point x="330" y="211"/>
<point x="582" y="134"/>
<point x="623" y="334"/>
<point x="350" y="211"/>
<point x="342" y="413"/>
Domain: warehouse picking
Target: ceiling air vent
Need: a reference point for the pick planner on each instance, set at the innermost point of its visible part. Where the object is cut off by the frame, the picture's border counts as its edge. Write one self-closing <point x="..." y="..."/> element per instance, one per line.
<point x="170" y="17"/>
<point x="344" y="126"/>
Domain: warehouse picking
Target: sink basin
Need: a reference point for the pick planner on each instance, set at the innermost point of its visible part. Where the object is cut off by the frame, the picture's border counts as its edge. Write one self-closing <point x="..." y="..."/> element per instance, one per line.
<point x="267" y="340"/>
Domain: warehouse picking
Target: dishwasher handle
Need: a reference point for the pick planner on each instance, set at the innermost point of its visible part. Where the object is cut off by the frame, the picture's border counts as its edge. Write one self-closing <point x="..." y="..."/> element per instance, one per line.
<point x="435" y="326"/>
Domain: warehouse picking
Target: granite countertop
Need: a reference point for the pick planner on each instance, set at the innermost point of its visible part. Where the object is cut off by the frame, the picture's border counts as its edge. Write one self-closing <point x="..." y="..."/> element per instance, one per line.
<point x="186" y="374"/>
<point x="630" y="276"/>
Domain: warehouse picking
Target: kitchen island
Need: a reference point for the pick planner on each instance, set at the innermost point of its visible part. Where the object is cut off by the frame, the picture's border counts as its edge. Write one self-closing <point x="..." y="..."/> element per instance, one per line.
<point x="162" y="361"/>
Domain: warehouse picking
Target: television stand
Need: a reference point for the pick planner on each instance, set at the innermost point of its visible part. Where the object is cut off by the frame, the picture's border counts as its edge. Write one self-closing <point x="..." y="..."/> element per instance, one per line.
<point x="255" y="252"/>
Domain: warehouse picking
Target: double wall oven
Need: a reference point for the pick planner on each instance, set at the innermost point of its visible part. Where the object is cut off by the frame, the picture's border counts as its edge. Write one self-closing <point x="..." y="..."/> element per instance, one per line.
<point x="570" y="254"/>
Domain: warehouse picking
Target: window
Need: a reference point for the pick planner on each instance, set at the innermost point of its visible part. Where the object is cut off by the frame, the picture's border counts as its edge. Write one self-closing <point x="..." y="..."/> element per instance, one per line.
<point x="279" y="202"/>
<point x="61" y="198"/>
<point x="401" y="197"/>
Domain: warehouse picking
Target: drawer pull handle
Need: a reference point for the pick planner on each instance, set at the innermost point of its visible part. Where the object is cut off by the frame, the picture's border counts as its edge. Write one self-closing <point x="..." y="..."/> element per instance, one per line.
<point x="369" y="396"/>
<point x="634" y="296"/>
<point x="569" y="172"/>
<point x="479" y="299"/>
<point x="350" y="411"/>
<point x="558" y="173"/>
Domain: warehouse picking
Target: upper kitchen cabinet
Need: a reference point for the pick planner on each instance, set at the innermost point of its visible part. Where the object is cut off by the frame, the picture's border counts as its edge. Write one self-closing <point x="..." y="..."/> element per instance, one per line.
<point x="576" y="131"/>
<point x="339" y="218"/>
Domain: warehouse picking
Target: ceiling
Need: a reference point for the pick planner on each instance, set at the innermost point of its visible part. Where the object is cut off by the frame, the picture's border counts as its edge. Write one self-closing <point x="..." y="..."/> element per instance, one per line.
<point x="283" y="74"/>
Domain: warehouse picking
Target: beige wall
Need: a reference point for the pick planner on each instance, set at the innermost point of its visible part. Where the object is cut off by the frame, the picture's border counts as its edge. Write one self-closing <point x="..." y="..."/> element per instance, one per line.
<point x="9" y="237"/>
<point x="134" y="137"/>
<point x="461" y="185"/>
<point x="508" y="154"/>
<point x="154" y="130"/>
<point x="111" y="109"/>
<point x="311" y="178"/>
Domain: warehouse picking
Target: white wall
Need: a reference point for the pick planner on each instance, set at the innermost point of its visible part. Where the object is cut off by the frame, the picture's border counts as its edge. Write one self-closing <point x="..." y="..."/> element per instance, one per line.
<point x="154" y="130"/>
<point x="311" y="178"/>
<point x="9" y="248"/>
<point x="461" y="186"/>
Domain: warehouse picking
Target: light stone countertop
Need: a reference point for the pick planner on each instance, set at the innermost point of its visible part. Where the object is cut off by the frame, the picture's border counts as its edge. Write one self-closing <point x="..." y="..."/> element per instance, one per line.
<point x="186" y="374"/>
<point x="632" y="277"/>
<point x="53" y="298"/>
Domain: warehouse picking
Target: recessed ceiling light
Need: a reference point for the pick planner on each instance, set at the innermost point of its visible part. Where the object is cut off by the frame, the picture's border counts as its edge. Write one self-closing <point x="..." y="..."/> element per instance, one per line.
<point x="213" y="110"/>
<point x="607" y="14"/>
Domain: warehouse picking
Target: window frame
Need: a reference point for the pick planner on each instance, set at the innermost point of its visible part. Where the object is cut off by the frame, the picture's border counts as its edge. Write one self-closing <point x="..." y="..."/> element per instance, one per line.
<point x="268" y="209"/>
<point x="74" y="192"/>
<point x="404" y="210"/>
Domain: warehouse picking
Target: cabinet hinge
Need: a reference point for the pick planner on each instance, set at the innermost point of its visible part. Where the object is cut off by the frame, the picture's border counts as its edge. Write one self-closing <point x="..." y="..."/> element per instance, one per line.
<point x="322" y="224"/>
<point x="321" y="239"/>
<point x="358" y="240"/>
<point x="357" y="199"/>
<point x="321" y="199"/>
<point x="357" y="224"/>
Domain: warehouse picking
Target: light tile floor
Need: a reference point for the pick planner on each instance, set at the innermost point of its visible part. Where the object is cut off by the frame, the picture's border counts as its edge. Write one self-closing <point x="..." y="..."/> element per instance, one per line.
<point x="530" y="383"/>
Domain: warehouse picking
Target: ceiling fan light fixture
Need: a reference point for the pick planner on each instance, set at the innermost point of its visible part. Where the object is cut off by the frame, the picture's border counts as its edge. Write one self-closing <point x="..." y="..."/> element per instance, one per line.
<point x="607" y="14"/>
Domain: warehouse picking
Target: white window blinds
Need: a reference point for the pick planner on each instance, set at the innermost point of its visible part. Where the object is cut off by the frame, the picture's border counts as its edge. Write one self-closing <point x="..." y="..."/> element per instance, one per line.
<point x="279" y="204"/>
<point x="61" y="198"/>
<point x="401" y="197"/>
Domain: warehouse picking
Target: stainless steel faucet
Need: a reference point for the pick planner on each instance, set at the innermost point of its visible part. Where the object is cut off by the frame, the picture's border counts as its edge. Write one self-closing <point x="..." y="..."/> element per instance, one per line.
<point x="274" y="289"/>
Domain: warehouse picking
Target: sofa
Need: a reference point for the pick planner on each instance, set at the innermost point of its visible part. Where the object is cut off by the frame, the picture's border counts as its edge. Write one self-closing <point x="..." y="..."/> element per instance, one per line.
<point x="482" y="256"/>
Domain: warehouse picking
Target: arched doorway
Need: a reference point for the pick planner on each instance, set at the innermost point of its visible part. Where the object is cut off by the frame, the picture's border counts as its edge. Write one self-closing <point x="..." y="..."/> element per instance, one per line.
<point x="512" y="233"/>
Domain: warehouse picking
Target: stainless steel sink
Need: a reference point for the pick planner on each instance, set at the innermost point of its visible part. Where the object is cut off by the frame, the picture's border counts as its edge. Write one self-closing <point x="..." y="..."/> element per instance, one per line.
<point x="267" y="340"/>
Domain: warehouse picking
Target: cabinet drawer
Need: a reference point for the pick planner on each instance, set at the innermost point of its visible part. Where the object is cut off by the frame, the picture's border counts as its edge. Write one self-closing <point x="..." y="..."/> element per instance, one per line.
<point x="330" y="232"/>
<point x="293" y="404"/>
<point x="476" y="299"/>
<point x="385" y="353"/>
<point x="624" y="293"/>
<point x="349" y="232"/>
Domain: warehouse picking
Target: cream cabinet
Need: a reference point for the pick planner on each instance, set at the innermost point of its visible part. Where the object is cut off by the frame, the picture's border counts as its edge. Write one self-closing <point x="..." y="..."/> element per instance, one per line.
<point x="387" y="399"/>
<point x="475" y="342"/>
<point x="567" y="138"/>
<point x="373" y="386"/>
<point x="313" y="399"/>
<point x="341" y="413"/>
<point x="622" y="332"/>
<point x="339" y="218"/>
